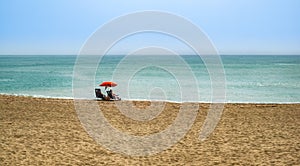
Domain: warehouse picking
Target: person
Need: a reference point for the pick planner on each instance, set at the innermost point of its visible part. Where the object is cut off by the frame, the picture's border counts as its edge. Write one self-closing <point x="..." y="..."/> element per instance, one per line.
<point x="109" y="92"/>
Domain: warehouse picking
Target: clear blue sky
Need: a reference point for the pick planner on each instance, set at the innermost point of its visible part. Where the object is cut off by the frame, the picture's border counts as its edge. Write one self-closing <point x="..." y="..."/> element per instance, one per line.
<point x="234" y="26"/>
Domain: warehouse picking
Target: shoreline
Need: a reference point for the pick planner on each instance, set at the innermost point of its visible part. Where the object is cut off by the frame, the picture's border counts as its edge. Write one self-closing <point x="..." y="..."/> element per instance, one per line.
<point x="142" y="100"/>
<point x="44" y="131"/>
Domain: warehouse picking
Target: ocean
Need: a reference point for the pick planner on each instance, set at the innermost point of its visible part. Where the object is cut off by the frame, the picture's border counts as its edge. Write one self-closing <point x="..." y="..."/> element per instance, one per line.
<point x="248" y="78"/>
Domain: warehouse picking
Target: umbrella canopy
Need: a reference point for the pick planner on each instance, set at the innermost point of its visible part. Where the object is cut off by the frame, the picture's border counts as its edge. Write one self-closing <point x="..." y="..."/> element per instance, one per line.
<point x="108" y="83"/>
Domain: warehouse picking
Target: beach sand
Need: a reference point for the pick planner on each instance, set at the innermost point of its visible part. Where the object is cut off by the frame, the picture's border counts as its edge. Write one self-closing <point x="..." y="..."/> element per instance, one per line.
<point x="41" y="131"/>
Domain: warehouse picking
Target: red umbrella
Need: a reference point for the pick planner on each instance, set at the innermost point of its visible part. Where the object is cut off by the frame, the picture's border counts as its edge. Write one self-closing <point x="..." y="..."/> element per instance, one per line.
<point x="108" y="83"/>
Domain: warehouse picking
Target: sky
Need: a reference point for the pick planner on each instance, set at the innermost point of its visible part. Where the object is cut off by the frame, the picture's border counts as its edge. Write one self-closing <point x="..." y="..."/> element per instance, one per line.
<point x="233" y="26"/>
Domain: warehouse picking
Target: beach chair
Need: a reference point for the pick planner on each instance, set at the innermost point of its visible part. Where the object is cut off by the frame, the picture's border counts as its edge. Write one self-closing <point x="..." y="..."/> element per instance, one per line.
<point x="99" y="94"/>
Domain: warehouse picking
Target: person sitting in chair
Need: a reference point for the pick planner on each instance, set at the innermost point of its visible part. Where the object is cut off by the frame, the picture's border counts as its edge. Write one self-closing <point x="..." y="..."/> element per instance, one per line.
<point x="109" y="92"/>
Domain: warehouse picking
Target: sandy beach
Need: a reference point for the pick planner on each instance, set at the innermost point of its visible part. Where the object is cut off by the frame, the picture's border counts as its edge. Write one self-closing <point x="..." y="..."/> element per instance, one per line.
<point x="41" y="131"/>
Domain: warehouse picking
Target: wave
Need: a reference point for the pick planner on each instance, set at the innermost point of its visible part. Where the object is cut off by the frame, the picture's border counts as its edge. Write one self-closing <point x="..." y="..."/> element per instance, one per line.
<point x="36" y="96"/>
<point x="6" y="80"/>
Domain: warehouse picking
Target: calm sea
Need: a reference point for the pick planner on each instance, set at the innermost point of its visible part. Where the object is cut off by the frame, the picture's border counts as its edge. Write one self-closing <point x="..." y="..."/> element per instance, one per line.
<point x="250" y="79"/>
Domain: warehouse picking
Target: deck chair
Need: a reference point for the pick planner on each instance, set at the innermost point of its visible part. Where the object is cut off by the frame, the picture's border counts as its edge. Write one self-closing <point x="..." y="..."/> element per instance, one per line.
<point x="99" y="94"/>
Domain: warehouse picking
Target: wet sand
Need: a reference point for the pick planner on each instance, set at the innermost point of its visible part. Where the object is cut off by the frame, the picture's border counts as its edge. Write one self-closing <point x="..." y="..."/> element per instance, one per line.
<point x="40" y="131"/>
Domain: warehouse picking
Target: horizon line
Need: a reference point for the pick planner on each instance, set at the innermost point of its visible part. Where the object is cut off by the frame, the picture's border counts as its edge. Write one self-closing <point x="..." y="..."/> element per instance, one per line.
<point x="224" y="54"/>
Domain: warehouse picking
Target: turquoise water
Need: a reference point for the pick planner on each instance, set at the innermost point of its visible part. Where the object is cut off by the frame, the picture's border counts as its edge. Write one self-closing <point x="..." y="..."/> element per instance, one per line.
<point x="251" y="79"/>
